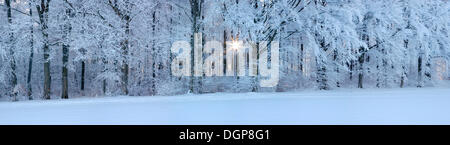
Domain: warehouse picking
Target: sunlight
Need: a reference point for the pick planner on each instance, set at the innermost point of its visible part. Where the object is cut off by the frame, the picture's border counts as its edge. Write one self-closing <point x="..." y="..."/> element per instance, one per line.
<point x="235" y="45"/>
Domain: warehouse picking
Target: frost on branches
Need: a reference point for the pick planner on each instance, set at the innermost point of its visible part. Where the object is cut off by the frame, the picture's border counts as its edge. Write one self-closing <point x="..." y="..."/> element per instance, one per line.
<point x="72" y="48"/>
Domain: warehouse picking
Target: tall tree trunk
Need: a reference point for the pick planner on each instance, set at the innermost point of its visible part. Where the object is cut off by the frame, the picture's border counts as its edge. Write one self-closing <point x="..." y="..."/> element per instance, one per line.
<point x="427" y="71"/>
<point x="11" y="52"/>
<point x="125" y="48"/>
<point x="65" y="93"/>
<point x="335" y="57"/>
<point x="47" y="76"/>
<point x="65" y="50"/>
<point x="361" y="70"/>
<point x="224" y="52"/>
<point x="196" y="11"/>
<point x="255" y="87"/>
<point x="43" y="9"/>
<point x="351" y="69"/>
<point x="154" y="55"/>
<point x="83" y="71"/>
<point x="104" y="86"/>
<point x="105" y="68"/>
<point x="322" y="75"/>
<point x="402" y="81"/>
<point x="419" y="72"/>
<point x="30" y="59"/>
<point x="83" y="62"/>
<point x="404" y="71"/>
<point x="300" y="64"/>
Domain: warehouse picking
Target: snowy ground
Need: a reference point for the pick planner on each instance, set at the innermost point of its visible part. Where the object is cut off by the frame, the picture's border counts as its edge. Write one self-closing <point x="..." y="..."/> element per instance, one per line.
<point x="368" y="106"/>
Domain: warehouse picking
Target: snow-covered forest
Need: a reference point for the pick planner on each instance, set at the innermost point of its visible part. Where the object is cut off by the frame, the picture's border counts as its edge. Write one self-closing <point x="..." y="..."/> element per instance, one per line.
<point x="70" y="48"/>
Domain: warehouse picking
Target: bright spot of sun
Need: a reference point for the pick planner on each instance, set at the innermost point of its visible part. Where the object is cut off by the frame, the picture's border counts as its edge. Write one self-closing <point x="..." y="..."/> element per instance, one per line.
<point x="235" y="45"/>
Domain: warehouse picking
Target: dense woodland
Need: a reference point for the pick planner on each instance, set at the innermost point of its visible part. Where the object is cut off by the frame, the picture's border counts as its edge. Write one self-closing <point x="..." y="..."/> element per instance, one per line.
<point x="70" y="48"/>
